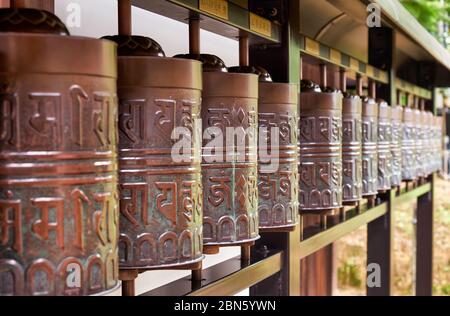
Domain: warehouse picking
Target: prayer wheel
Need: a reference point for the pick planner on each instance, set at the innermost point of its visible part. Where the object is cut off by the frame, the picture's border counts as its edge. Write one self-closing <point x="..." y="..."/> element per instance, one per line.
<point x="352" y="149"/>
<point x="58" y="163"/>
<point x="409" y="160"/>
<point x="230" y="160"/>
<point x="396" y="145"/>
<point x="320" y="148"/>
<point x="419" y="143"/>
<point x="384" y="147"/>
<point x="429" y="142"/>
<point x="159" y="157"/>
<point x="370" y="147"/>
<point x="278" y="163"/>
<point x="438" y="154"/>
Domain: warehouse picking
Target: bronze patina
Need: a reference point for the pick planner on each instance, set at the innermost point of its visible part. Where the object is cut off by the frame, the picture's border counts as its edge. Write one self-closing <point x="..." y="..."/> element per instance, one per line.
<point x="320" y="148"/>
<point x="160" y="183"/>
<point x="58" y="185"/>
<point x="352" y="149"/>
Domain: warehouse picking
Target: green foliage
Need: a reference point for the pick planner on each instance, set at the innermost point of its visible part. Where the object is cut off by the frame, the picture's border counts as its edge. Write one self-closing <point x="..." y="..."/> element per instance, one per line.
<point x="429" y="13"/>
<point x="349" y="275"/>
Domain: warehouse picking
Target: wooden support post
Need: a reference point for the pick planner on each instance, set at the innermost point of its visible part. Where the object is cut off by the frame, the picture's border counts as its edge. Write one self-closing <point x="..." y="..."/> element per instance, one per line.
<point x="424" y="242"/>
<point x="380" y="231"/>
<point x="128" y="278"/>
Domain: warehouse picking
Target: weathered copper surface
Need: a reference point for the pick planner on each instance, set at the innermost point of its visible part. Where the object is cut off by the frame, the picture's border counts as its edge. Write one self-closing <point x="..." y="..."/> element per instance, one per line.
<point x="438" y="153"/>
<point x="278" y="185"/>
<point x="384" y="147"/>
<point x="370" y="147"/>
<point x="419" y="143"/>
<point x="428" y="142"/>
<point x="352" y="148"/>
<point x="396" y="145"/>
<point x="409" y="160"/>
<point x="320" y="149"/>
<point x="58" y="199"/>
<point x="230" y="103"/>
<point x="161" y="196"/>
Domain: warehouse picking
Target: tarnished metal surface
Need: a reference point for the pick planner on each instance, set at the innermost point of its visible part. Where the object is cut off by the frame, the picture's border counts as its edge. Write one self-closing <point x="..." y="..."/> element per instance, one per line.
<point x="230" y="103"/>
<point x="428" y="142"/>
<point x="409" y="160"/>
<point x="161" y="195"/>
<point x="278" y="177"/>
<point x="320" y="149"/>
<point x="419" y="143"/>
<point x="369" y="147"/>
<point x="58" y="200"/>
<point x="384" y="147"/>
<point x="396" y="145"/>
<point x="352" y="148"/>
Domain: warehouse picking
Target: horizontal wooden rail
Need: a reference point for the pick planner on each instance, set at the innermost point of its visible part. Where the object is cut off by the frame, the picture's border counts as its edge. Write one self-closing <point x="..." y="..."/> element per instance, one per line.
<point x="225" y="279"/>
<point x="327" y="237"/>
<point x="226" y="18"/>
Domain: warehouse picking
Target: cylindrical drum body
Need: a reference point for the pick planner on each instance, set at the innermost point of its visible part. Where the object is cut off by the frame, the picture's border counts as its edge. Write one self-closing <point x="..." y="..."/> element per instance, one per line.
<point x="428" y="142"/>
<point x="439" y="148"/>
<point x="384" y="147"/>
<point x="396" y="145"/>
<point x="352" y="149"/>
<point x="159" y="161"/>
<point x="58" y="187"/>
<point x="409" y="160"/>
<point x="278" y="156"/>
<point x="230" y="160"/>
<point x="370" y="147"/>
<point x="419" y="143"/>
<point x="320" y="151"/>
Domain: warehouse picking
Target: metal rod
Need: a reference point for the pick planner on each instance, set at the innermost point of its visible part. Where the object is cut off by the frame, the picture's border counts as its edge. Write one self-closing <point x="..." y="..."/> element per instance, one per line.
<point x="244" y="58"/>
<point x="323" y="75"/>
<point x="125" y="21"/>
<point x="373" y="89"/>
<point x="128" y="288"/>
<point x="245" y="253"/>
<point x="196" y="274"/>
<point x="422" y="104"/>
<point x="48" y="5"/>
<point x="194" y="35"/>
<point x="359" y="85"/>
<point x="343" y="80"/>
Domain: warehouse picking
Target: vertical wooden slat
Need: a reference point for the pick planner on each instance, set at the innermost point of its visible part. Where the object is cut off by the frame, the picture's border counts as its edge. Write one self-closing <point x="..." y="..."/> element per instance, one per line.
<point x="380" y="232"/>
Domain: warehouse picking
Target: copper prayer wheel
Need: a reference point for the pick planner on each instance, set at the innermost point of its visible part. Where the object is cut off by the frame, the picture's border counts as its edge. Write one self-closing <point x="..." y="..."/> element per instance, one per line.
<point x="409" y="160"/>
<point x="58" y="187"/>
<point x="429" y="142"/>
<point x="229" y="168"/>
<point x="278" y="165"/>
<point x="384" y="147"/>
<point x="396" y="145"/>
<point x="320" y="149"/>
<point x="370" y="147"/>
<point x="160" y="185"/>
<point x="352" y="149"/>
<point x="419" y="142"/>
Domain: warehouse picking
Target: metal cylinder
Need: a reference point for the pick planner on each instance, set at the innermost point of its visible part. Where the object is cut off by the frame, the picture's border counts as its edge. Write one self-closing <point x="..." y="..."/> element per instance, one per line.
<point x="439" y="148"/>
<point x="320" y="150"/>
<point x="419" y="143"/>
<point x="352" y="149"/>
<point x="396" y="145"/>
<point x="384" y="147"/>
<point x="370" y="147"/>
<point x="277" y="162"/>
<point x="58" y="199"/>
<point x="409" y="160"/>
<point x="229" y="168"/>
<point x="427" y="142"/>
<point x="160" y="182"/>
